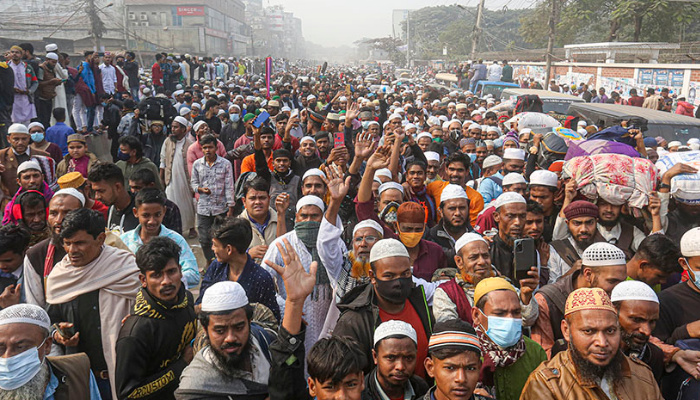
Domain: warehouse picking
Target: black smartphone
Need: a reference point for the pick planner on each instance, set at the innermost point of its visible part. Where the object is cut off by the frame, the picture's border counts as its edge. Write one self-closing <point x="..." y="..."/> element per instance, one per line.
<point x="524" y="258"/>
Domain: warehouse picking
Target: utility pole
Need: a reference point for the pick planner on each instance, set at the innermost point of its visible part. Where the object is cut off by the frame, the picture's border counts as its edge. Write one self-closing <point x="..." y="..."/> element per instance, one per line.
<point x="408" y="38"/>
<point x="476" y="33"/>
<point x="97" y="27"/>
<point x="552" y="23"/>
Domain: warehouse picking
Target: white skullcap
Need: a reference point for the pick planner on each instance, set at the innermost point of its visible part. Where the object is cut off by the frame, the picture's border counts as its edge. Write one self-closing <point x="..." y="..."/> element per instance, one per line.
<point x="424" y="134"/>
<point x="468" y="238"/>
<point x="385" y="172"/>
<point x="306" y="139"/>
<point x="72" y="192"/>
<point x="410" y="126"/>
<point x="25" y="314"/>
<point x="461" y="106"/>
<point x="581" y="124"/>
<point x="445" y="125"/>
<point x="435" y="102"/>
<point x="234" y="106"/>
<point x="633" y="290"/>
<point x="452" y="104"/>
<point x="690" y="243"/>
<point x="30" y="164"/>
<point x="675" y="143"/>
<point x="432" y="156"/>
<point x="285" y="108"/>
<point x="509" y="198"/>
<point x="313" y="172"/>
<point x="513" y="178"/>
<point x="220" y="112"/>
<point x="224" y="296"/>
<point x="693" y="141"/>
<point x="51" y="47"/>
<point x="310" y="97"/>
<point x="466" y="123"/>
<point x="35" y="124"/>
<point x="603" y="254"/>
<point x="368" y="223"/>
<point x="492" y="129"/>
<point x="544" y="178"/>
<point x="52" y="56"/>
<point x="196" y="105"/>
<point x="395" y="116"/>
<point x="184" y="111"/>
<point x="476" y="112"/>
<point x="474" y="126"/>
<point x="178" y="92"/>
<point x="394" y="328"/>
<point x="582" y="131"/>
<point x="390" y="185"/>
<point x="198" y="125"/>
<point x="491" y="161"/>
<point x="513" y="154"/>
<point x="310" y="200"/>
<point x="372" y="123"/>
<point x="343" y="98"/>
<point x="443" y="118"/>
<point x="18" y="128"/>
<point x="525" y="130"/>
<point x="386" y="248"/>
<point x="182" y="121"/>
<point x="451" y="192"/>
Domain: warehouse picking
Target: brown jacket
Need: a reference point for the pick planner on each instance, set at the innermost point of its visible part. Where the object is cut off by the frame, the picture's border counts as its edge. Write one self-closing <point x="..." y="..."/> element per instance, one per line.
<point x="46" y="89"/>
<point x="558" y="379"/>
<point x="8" y="179"/>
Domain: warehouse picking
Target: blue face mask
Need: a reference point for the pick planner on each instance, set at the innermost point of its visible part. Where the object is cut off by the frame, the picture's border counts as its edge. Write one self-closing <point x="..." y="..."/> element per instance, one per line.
<point x="104" y="104"/>
<point x="505" y="332"/>
<point x="472" y="156"/>
<point x="696" y="275"/>
<point x="19" y="369"/>
<point x="235" y="117"/>
<point x="122" y="156"/>
<point x="37" y="137"/>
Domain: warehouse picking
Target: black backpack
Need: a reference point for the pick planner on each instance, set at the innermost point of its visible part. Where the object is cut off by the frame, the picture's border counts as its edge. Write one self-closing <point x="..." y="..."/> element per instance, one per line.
<point x="528" y="103"/>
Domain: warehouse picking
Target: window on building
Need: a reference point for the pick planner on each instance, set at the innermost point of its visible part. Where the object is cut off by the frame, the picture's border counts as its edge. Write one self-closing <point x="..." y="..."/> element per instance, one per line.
<point x="163" y="19"/>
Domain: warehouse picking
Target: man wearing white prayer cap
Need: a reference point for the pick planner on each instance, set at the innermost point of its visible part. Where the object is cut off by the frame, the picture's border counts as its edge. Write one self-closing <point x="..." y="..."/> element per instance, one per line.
<point x="513" y="160"/>
<point x="29" y="372"/>
<point x="434" y="161"/>
<point x="454" y="208"/>
<point x="394" y="353"/>
<point x="312" y="183"/>
<point x="638" y="310"/>
<point x="393" y="295"/>
<point x="543" y="187"/>
<point x="389" y="192"/>
<point x="303" y="239"/>
<point x="235" y="360"/>
<point x="175" y="174"/>
<point x="424" y="139"/>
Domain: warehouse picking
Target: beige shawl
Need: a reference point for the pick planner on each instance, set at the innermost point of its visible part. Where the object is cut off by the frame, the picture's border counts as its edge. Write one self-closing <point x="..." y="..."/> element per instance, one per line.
<point x="115" y="274"/>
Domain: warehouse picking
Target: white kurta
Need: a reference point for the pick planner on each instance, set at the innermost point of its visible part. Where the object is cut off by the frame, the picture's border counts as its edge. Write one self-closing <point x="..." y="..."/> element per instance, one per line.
<point x="60" y="99"/>
<point x="178" y="191"/>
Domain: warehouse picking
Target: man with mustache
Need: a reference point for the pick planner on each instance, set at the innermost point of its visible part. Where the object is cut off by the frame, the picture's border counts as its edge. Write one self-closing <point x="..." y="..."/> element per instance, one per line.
<point x="638" y="310"/>
<point x="394" y="353"/>
<point x="581" y="219"/>
<point x="602" y="266"/>
<point x="236" y="362"/>
<point x="149" y="208"/>
<point x="154" y="342"/>
<point x="593" y="367"/>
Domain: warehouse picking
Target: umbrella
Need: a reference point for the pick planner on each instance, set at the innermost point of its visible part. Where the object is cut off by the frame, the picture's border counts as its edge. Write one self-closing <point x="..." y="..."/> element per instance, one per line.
<point x="534" y="120"/>
<point x="591" y="147"/>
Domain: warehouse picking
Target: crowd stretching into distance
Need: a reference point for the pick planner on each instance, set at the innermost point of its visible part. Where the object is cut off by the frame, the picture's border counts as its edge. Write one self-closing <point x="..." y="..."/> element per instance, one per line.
<point x="357" y="235"/>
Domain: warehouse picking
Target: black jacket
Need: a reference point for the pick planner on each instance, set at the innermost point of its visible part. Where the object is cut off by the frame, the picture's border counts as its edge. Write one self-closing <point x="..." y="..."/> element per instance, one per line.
<point x="371" y="392"/>
<point x="150" y="346"/>
<point x="359" y="316"/>
<point x="287" y="381"/>
<point x="438" y="235"/>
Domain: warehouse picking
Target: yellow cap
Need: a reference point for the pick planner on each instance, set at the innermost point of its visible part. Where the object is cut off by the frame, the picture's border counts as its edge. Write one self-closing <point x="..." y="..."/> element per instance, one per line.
<point x="588" y="299"/>
<point x="489" y="285"/>
<point x="71" y="180"/>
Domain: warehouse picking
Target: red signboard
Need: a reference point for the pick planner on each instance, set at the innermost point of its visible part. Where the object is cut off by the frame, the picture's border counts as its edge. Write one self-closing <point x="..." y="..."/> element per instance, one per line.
<point x="190" y="11"/>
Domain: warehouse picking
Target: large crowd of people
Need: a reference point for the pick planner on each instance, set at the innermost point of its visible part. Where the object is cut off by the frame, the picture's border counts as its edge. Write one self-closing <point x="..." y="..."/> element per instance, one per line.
<point x="320" y="235"/>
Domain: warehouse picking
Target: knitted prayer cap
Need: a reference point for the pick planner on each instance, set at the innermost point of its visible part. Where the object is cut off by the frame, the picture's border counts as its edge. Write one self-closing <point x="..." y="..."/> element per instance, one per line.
<point x="25" y="314"/>
<point x="580" y="208"/>
<point x="603" y="254"/>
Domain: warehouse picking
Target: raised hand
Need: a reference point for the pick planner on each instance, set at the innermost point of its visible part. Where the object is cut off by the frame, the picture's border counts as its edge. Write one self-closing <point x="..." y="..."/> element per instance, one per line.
<point x="352" y="112"/>
<point x="297" y="282"/>
<point x="364" y="145"/>
<point x="336" y="186"/>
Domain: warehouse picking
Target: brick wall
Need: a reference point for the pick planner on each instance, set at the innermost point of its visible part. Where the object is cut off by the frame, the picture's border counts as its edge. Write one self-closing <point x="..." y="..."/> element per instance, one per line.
<point x="618" y="72"/>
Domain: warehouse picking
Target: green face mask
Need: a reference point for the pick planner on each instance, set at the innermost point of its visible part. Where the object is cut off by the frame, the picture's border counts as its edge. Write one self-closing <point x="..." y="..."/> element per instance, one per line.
<point x="437" y="140"/>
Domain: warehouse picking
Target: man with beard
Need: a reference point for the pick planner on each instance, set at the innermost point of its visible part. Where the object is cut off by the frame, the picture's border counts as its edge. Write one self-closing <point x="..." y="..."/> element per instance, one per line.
<point x="323" y="144"/>
<point x="581" y="217"/>
<point x="304" y="239"/>
<point x="593" y="366"/>
<point x="622" y="234"/>
<point x="46" y="91"/>
<point x="394" y="353"/>
<point x="236" y="361"/>
<point x="390" y="295"/>
<point x="455" y="297"/>
<point x="638" y="310"/>
<point x="28" y="372"/>
<point x="307" y="158"/>
<point x="14" y="241"/>
<point x="510" y="215"/>
<point x="457" y="168"/>
<point x="454" y="223"/>
<point x="509" y="357"/>
<point x="175" y="175"/>
<point x="154" y="342"/>
<point x="602" y="266"/>
<point x="149" y="208"/>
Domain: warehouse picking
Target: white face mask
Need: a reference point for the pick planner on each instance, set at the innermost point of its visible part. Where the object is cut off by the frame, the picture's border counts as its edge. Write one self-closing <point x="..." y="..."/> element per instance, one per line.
<point x="19" y="369"/>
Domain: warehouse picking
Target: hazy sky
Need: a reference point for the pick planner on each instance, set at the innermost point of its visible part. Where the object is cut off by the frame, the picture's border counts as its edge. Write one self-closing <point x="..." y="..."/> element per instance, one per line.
<point x="337" y="23"/>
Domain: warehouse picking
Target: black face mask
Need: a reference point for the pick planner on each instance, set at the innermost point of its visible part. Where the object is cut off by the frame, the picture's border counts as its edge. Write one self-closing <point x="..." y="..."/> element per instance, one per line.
<point x="395" y="291"/>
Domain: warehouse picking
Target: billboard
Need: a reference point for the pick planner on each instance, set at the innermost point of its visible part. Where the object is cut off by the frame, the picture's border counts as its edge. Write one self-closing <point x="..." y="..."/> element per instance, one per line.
<point x="187" y="11"/>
